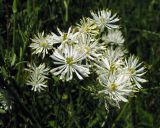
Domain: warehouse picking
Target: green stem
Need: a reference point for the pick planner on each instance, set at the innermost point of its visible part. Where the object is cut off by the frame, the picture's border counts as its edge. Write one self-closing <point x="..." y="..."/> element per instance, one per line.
<point x="120" y="115"/>
<point x="14" y="30"/>
<point x="16" y="96"/>
<point x="14" y="8"/>
<point x="59" y="104"/>
<point x="133" y="108"/>
<point x="66" y="3"/>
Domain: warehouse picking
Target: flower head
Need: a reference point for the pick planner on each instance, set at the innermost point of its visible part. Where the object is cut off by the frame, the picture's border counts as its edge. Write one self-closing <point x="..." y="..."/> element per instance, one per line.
<point x="112" y="60"/>
<point x="134" y="70"/>
<point x="41" y="44"/>
<point x="37" y="77"/>
<point x="92" y="48"/>
<point x="87" y="26"/>
<point x="64" y="37"/>
<point x="69" y="61"/>
<point x="104" y="19"/>
<point x="116" y="87"/>
<point x="4" y="104"/>
<point x="114" y="37"/>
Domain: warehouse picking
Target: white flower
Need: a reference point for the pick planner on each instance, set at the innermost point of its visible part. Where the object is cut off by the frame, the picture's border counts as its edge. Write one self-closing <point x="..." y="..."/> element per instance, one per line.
<point x="41" y="44"/>
<point x="92" y="48"/>
<point x="116" y="87"/>
<point x="69" y="61"/>
<point x="112" y="60"/>
<point x="64" y="37"/>
<point x="88" y="26"/>
<point x="114" y="37"/>
<point x="4" y="104"/>
<point x="37" y="77"/>
<point x="134" y="70"/>
<point x="104" y="19"/>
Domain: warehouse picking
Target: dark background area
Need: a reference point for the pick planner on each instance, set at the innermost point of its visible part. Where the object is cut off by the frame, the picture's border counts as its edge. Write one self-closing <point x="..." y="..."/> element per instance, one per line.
<point x="73" y="107"/>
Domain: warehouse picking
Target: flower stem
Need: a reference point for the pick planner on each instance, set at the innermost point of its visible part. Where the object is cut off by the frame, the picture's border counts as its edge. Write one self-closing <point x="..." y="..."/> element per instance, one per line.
<point x="120" y="114"/>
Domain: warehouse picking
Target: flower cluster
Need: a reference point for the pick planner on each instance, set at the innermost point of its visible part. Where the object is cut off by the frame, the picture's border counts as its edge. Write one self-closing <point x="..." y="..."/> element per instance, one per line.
<point x="94" y="43"/>
<point x="37" y="77"/>
<point x="4" y="103"/>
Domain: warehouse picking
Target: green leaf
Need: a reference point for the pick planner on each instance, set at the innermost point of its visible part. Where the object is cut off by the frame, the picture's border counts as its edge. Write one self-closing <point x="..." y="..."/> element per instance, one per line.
<point x="52" y="124"/>
<point x="56" y="79"/>
<point x="14" y="7"/>
<point x="2" y="111"/>
<point x="13" y="59"/>
<point x="4" y="72"/>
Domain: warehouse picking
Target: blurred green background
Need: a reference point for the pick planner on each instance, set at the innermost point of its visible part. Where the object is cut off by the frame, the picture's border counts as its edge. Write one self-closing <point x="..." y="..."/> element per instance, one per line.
<point x="70" y="106"/>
